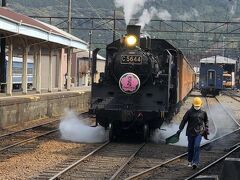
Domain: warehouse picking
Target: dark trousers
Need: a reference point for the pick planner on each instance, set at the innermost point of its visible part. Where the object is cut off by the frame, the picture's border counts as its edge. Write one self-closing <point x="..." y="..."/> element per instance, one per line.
<point x="194" y="148"/>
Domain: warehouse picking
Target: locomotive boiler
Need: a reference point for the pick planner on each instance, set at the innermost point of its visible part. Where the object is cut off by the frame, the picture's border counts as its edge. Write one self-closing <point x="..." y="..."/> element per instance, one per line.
<point x="143" y="84"/>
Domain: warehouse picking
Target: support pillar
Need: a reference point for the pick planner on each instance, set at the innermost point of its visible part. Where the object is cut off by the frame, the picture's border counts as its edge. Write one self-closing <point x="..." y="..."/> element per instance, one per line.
<point x="34" y="69"/>
<point x="59" y="60"/>
<point x="24" y="71"/>
<point x="50" y="72"/>
<point x="2" y="60"/>
<point x="39" y="71"/>
<point x="9" y="69"/>
<point x="69" y="64"/>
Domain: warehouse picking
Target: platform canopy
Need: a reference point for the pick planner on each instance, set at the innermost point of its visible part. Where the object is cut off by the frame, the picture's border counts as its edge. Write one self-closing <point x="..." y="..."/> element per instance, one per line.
<point x="218" y="60"/>
<point x="13" y="24"/>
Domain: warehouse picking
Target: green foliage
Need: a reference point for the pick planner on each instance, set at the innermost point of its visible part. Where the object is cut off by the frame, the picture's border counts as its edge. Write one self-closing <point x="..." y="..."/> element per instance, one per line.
<point x="218" y="10"/>
<point x="212" y="10"/>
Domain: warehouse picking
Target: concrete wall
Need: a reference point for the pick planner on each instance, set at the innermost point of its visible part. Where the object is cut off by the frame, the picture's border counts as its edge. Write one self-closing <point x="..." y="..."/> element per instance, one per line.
<point x="14" y="111"/>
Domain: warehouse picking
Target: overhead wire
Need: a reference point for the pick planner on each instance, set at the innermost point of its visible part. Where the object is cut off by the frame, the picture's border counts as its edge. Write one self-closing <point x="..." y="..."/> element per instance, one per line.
<point x="227" y="19"/>
<point x="98" y="14"/>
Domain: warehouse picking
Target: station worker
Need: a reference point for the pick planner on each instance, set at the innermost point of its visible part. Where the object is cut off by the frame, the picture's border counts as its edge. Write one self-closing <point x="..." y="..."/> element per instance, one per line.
<point x="197" y="127"/>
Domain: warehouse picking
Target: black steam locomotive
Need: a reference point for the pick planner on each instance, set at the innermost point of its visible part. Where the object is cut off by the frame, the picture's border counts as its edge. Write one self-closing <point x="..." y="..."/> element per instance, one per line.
<point x="140" y="85"/>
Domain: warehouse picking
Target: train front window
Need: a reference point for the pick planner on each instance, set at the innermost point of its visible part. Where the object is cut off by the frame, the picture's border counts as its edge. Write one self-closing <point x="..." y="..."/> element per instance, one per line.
<point x="210" y="75"/>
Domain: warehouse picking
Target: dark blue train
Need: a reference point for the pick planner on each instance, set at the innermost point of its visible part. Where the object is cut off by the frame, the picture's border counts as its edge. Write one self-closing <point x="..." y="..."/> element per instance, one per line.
<point x="211" y="79"/>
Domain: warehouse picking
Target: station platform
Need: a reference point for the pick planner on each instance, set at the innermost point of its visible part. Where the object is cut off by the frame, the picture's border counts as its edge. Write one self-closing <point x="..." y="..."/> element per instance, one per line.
<point x="19" y="108"/>
<point x="43" y="92"/>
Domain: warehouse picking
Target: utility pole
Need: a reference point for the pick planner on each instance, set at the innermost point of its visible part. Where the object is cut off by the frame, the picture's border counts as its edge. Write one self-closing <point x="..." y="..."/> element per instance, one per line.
<point x="3" y="56"/>
<point x="114" y="24"/>
<point x="69" y="50"/>
<point x="69" y="16"/>
<point x="89" y="56"/>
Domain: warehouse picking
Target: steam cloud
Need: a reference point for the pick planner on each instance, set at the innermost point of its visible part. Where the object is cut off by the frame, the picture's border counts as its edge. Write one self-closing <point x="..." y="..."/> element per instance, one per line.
<point x="164" y="14"/>
<point x="169" y="130"/>
<point x="219" y="125"/>
<point x="74" y="129"/>
<point x="233" y="7"/>
<point x="147" y="15"/>
<point x="130" y="7"/>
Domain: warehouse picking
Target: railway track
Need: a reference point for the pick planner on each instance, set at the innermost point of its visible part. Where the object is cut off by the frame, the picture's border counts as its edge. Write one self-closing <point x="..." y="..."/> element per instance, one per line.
<point x="223" y="120"/>
<point x="17" y="138"/>
<point x="232" y="95"/>
<point x="128" y="161"/>
<point x="13" y="139"/>
<point x="104" y="162"/>
<point x="212" y="153"/>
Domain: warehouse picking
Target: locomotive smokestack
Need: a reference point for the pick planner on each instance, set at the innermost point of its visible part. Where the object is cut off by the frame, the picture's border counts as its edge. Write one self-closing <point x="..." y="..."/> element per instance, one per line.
<point x="135" y="31"/>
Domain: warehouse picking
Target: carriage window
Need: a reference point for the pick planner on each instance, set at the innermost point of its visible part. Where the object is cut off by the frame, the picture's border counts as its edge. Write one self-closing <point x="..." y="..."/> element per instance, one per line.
<point x="210" y="75"/>
<point x="17" y="68"/>
<point x="29" y="68"/>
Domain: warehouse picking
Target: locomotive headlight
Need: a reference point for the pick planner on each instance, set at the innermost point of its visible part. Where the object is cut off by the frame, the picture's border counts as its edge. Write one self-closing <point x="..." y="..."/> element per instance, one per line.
<point x="131" y="40"/>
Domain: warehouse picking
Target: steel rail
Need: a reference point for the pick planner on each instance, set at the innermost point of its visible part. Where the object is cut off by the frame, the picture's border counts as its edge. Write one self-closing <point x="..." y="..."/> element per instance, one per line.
<point x="157" y="166"/>
<point x="126" y="162"/>
<point x="29" y="139"/>
<point x="179" y="156"/>
<point x="22" y="130"/>
<point x="207" y="104"/>
<point x="79" y="161"/>
<point x="232" y="96"/>
<point x="228" y="112"/>
<point x="212" y="164"/>
<point x="33" y="127"/>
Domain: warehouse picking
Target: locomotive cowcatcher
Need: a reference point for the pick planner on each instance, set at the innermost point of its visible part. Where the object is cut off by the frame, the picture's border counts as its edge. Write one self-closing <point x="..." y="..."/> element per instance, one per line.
<point x="140" y="87"/>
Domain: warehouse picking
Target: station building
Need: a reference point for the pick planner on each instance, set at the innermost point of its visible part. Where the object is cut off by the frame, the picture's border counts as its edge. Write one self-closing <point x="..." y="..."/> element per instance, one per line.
<point x="46" y="46"/>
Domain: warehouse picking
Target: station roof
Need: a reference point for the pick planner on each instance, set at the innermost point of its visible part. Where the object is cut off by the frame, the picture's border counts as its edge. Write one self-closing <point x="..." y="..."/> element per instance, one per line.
<point x="218" y="60"/>
<point x="18" y="24"/>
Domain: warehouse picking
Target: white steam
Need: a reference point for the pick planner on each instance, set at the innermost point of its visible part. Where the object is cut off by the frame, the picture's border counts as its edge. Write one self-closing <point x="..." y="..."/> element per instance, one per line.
<point x="148" y="14"/>
<point x="130" y="7"/>
<point x="219" y="125"/>
<point x="164" y="14"/>
<point x="74" y="129"/>
<point x="223" y="124"/>
<point x="168" y="130"/>
<point x="233" y="7"/>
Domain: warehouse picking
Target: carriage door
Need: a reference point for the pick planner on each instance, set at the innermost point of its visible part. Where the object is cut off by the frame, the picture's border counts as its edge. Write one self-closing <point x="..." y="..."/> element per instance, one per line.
<point x="211" y="78"/>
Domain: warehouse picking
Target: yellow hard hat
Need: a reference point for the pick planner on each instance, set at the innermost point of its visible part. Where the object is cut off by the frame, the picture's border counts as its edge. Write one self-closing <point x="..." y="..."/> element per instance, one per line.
<point x="197" y="101"/>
